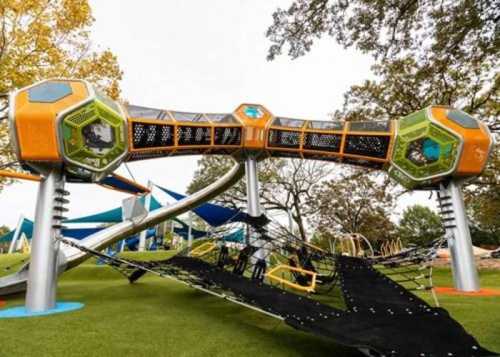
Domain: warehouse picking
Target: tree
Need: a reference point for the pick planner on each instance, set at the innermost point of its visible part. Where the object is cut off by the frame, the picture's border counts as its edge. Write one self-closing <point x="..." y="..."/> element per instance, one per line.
<point x="419" y="225"/>
<point x="4" y="246"/>
<point x="49" y="39"/>
<point x="285" y="184"/>
<point x="4" y="229"/>
<point x="425" y="52"/>
<point x="483" y="205"/>
<point x="445" y="52"/>
<point x="353" y="203"/>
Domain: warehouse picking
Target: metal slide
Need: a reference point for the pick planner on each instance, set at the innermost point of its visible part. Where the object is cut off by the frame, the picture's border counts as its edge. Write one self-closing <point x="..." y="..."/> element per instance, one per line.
<point x="70" y="257"/>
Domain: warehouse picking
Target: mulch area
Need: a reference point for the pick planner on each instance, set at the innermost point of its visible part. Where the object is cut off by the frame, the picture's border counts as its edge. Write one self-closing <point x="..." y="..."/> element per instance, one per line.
<point x="481" y="264"/>
<point x="452" y="291"/>
<point x="2" y="303"/>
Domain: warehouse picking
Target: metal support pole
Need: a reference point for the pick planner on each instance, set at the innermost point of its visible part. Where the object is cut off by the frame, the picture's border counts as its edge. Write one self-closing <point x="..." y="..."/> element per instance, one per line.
<point x="17" y="234"/>
<point x="147" y="204"/>
<point x="190" y="232"/>
<point x="463" y="264"/>
<point x="42" y="276"/>
<point x="122" y="245"/>
<point x="172" y="236"/>
<point x="160" y="234"/>
<point x="253" y="204"/>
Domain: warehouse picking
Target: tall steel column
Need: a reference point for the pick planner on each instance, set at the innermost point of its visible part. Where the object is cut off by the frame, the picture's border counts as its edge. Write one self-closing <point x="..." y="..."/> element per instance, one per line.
<point x="253" y="203"/>
<point x="147" y="204"/>
<point x="463" y="264"/>
<point x="42" y="276"/>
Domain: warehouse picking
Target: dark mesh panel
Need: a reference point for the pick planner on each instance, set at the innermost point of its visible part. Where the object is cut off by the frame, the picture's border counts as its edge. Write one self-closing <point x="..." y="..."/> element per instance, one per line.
<point x="383" y="126"/>
<point x="322" y="141"/>
<point x="193" y="135"/>
<point x="147" y="135"/>
<point x="284" y="139"/>
<point x="227" y="136"/>
<point x="372" y="146"/>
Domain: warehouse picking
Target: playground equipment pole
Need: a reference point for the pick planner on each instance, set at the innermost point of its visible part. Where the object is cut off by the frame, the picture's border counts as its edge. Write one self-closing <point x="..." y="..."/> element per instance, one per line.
<point x="122" y="245"/>
<point x="253" y="202"/>
<point x="190" y="231"/>
<point x="17" y="233"/>
<point x="463" y="264"/>
<point x="147" y="204"/>
<point x="42" y="276"/>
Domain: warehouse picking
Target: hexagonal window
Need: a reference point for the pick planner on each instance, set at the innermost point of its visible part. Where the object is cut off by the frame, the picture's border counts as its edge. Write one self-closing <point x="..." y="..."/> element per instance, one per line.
<point x="423" y="151"/>
<point x="49" y="92"/>
<point x="253" y="112"/>
<point x="99" y="137"/>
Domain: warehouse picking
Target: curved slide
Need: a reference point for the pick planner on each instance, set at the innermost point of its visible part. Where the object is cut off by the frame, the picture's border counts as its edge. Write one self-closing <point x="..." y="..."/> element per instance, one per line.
<point x="70" y="257"/>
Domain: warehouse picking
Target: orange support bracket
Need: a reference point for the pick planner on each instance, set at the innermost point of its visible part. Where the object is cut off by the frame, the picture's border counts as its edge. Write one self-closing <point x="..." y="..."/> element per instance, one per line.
<point x="19" y="175"/>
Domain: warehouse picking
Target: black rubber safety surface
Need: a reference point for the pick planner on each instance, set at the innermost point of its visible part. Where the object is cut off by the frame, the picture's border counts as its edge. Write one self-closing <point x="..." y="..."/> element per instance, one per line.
<point x="381" y="315"/>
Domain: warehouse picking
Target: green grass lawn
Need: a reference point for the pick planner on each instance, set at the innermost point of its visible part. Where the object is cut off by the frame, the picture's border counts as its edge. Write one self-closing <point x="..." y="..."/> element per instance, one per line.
<point x="160" y="317"/>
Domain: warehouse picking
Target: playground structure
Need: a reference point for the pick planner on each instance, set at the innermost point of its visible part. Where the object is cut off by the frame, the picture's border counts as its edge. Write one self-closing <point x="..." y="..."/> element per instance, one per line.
<point x="391" y="247"/>
<point x="66" y="131"/>
<point x="352" y="245"/>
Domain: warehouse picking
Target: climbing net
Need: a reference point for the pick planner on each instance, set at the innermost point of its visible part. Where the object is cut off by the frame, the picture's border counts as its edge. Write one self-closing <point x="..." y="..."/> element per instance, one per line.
<point x="371" y="300"/>
<point x="412" y="267"/>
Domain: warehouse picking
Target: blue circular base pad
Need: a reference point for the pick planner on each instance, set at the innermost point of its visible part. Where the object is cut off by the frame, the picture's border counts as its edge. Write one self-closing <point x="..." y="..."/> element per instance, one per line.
<point x="20" y="311"/>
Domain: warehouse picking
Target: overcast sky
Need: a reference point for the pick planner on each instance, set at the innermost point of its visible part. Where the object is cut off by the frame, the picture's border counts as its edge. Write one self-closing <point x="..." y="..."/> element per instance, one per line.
<point x="206" y="56"/>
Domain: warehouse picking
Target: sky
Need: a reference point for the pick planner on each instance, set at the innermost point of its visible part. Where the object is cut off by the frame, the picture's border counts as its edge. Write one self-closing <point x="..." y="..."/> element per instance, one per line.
<point x="202" y="56"/>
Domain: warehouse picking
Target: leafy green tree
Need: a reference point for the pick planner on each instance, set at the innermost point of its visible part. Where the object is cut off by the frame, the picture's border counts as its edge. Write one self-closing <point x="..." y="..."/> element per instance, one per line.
<point x="48" y="39"/>
<point x="4" y="246"/>
<point x="353" y="203"/>
<point x="484" y="238"/>
<point x="483" y="205"/>
<point x="425" y="52"/>
<point x="419" y="225"/>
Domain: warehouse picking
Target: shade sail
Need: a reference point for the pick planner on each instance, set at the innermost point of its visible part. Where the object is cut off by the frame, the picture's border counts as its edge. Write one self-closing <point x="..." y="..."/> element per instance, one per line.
<point x="80" y="233"/>
<point x="214" y="215"/>
<point x="237" y="236"/>
<point x="111" y="216"/>
<point x="26" y="228"/>
<point x="183" y="231"/>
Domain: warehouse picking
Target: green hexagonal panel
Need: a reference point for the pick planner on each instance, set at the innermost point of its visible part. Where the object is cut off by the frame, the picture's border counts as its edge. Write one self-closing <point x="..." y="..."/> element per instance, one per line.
<point x="93" y="136"/>
<point x="423" y="150"/>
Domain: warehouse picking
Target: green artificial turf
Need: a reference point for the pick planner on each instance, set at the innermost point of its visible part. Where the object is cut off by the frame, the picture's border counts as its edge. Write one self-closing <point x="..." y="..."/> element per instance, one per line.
<point x="10" y="263"/>
<point x="160" y="317"/>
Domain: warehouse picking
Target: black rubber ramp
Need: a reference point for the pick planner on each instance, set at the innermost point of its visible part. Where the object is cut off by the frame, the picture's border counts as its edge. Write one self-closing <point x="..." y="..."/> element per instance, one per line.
<point x="382" y="316"/>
